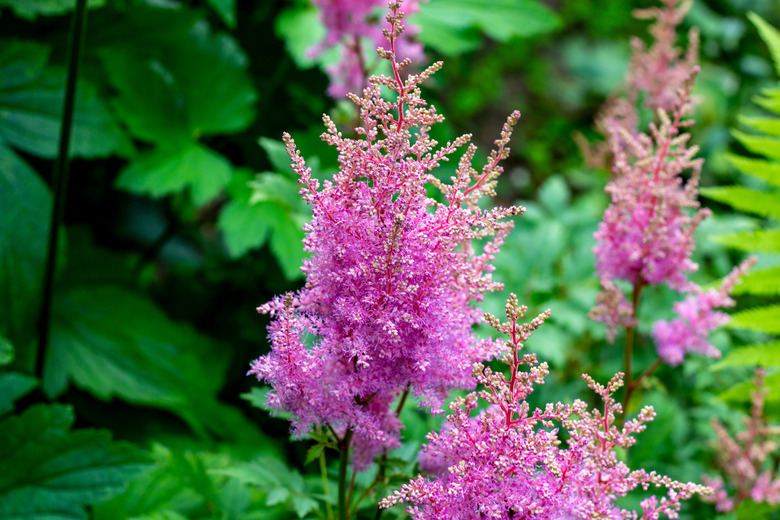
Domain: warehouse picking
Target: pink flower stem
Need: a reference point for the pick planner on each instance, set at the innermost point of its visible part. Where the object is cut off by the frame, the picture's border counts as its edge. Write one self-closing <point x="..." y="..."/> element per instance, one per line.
<point x="628" y="352"/>
<point x="343" y="445"/>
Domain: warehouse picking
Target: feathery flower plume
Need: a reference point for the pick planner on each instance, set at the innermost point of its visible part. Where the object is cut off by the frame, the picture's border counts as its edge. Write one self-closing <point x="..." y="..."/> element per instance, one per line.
<point x="745" y="458"/>
<point x="391" y="273"/>
<point x="508" y="462"/>
<point x="349" y="23"/>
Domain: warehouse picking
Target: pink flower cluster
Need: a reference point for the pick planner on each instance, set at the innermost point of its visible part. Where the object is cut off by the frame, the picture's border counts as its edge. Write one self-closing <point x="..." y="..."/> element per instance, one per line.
<point x="508" y="462"/>
<point x="745" y="458"/>
<point x="353" y="26"/>
<point x="697" y="317"/>
<point x="391" y="273"/>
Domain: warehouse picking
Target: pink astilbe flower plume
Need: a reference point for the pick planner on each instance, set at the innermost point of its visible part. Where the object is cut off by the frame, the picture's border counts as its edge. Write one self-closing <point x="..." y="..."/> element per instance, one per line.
<point x="745" y="458"/>
<point x="349" y="24"/>
<point x="391" y="273"/>
<point x="508" y="462"/>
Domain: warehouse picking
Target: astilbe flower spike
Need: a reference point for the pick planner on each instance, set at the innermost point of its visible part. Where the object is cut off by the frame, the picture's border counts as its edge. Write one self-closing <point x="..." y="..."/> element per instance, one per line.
<point x="745" y="458"/>
<point x="349" y="23"/>
<point x="508" y="462"/>
<point x="391" y="273"/>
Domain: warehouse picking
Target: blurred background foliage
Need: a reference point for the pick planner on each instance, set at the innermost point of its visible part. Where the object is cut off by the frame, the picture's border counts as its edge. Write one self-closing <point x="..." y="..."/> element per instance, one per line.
<point x="183" y="216"/>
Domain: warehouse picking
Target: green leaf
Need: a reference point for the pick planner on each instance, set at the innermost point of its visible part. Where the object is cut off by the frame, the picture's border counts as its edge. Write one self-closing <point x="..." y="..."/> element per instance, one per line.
<point x="768" y="172"/>
<point x="31" y="106"/>
<point x="115" y="343"/>
<point x="165" y="171"/>
<point x="12" y="387"/>
<point x="287" y="245"/>
<point x="505" y="19"/>
<point x="48" y="472"/>
<point x="763" y="354"/>
<point x="314" y="453"/>
<point x="30" y="9"/>
<point x="743" y="391"/>
<point x="301" y="29"/>
<point x="769" y="100"/>
<point x="554" y="195"/>
<point x="767" y="125"/>
<point x="771" y="37"/>
<point x="759" y="144"/>
<point x="763" y="203"/>
<point x="24" y="230"/>
<point x="168" y="92"/>
<point x="759" y="241"/>
<point x="277" y="155"/>
<point x="764" y="282"/>
<point x="763" y="319"/>
<point x="226" y="9"/>
<point x="303" y="504"/>
<point x="6" y="352"/>
<point x="277" y="496"/>
<point x="440" y="36"/>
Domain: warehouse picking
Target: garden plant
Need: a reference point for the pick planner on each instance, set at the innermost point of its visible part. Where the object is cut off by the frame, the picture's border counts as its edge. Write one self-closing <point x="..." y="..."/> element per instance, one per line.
<point x="569" y="314"/>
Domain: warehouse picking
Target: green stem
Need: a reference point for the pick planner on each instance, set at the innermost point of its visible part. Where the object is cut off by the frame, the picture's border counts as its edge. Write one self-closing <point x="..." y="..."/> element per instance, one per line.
<point x="343" y="462"/>
<point x="60" y="176"/>
<point x="628" y="352"/>
<point x="325" y="488"/>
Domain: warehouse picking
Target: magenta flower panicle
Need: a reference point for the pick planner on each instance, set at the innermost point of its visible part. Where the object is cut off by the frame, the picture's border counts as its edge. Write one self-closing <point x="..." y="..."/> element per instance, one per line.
<point x="746" y="458"/>
<point x="508" y="462"/>
<point x="697" y="317"/>
<point x="352" y="26"/>
<point x="391" y="274"/>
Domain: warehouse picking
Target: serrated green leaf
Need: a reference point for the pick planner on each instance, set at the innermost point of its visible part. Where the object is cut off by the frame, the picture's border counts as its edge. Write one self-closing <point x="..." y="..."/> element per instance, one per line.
<point x="768" y="172"/>
<point x="303" y="504"/>
<point x="313" y="453"/>
<point x="760" y="144"/>
<point x="771" y="37"/>
<point x="301" y="29"/>
<point x="743" y="391"/>
<point x="115" y="343"/>
<point x="287" y="245"/>
<point x="554" y="194"/>
<point x="505" y="19"/>
<point x="763" y="203"/>
<point x="440" y="36"/>
<point x="277" y="496"/>
<point x="277" y="155"/>
<point x="764" y="354"/>
<point x="31" y="9"/>
<point x="769" y="99"/>
<point x="24" y="231"/>
<point x="164" y="91"/>
<point x="50" y="473"/>
<point x="764" y="282"/>
<point x="763" y="319"/>
<point x="31" y="106"/>
<point x="12" y="387"/>
<point x="162" y="172"/>
<point x="759" y="241"/>
<point x="6" y="352"/>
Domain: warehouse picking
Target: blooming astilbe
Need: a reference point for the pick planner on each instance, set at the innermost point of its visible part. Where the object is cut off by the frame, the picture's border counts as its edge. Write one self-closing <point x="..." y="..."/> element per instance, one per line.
<point x="696" y="318"/>
<point x="508" y="462"/>
<point x="646" y="234"/>
<point x="386" y="306"/>
<point x="348" y="23"/>
<point x="744" y="457"/>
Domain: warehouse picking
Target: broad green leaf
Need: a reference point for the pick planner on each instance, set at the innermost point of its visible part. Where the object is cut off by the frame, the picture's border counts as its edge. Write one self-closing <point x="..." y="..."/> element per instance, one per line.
<point x="764" y="282"/>
<point x="6" y="352"/>
<point x="768" y="172"/>
<point x="303" y="504"/>
<point x="503" y="20"/>
<point x="287" y="245"/>
<point x="301" y="29"/>
<point x="759" y="241"/>
<point x="554" y="195"/>
<point x="763" y="319"/>
<point x="165" y="171"/>
<point x="277" y="496"/>
<point x="764" y="354"/>
<point x="743" y="391"/>
<point x="771" y="37"/>
<point x="769" y="100"/>
<point x="226" y="9"/>
<point x="31" y="106"/>
<point x="12" y="387"/>
<point x="277" y="155"/>
<point x="763" y="203"/>
<point x="170" y="92"/>
<point x="30" y="9"/>
<point x="115" y="343"/>
<point x="313" y="453"/>
<point x="759" y="144"/>
<point x="440" y="36"/>
<point x="48" y="472"/>
<point x="24" y="229"/>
